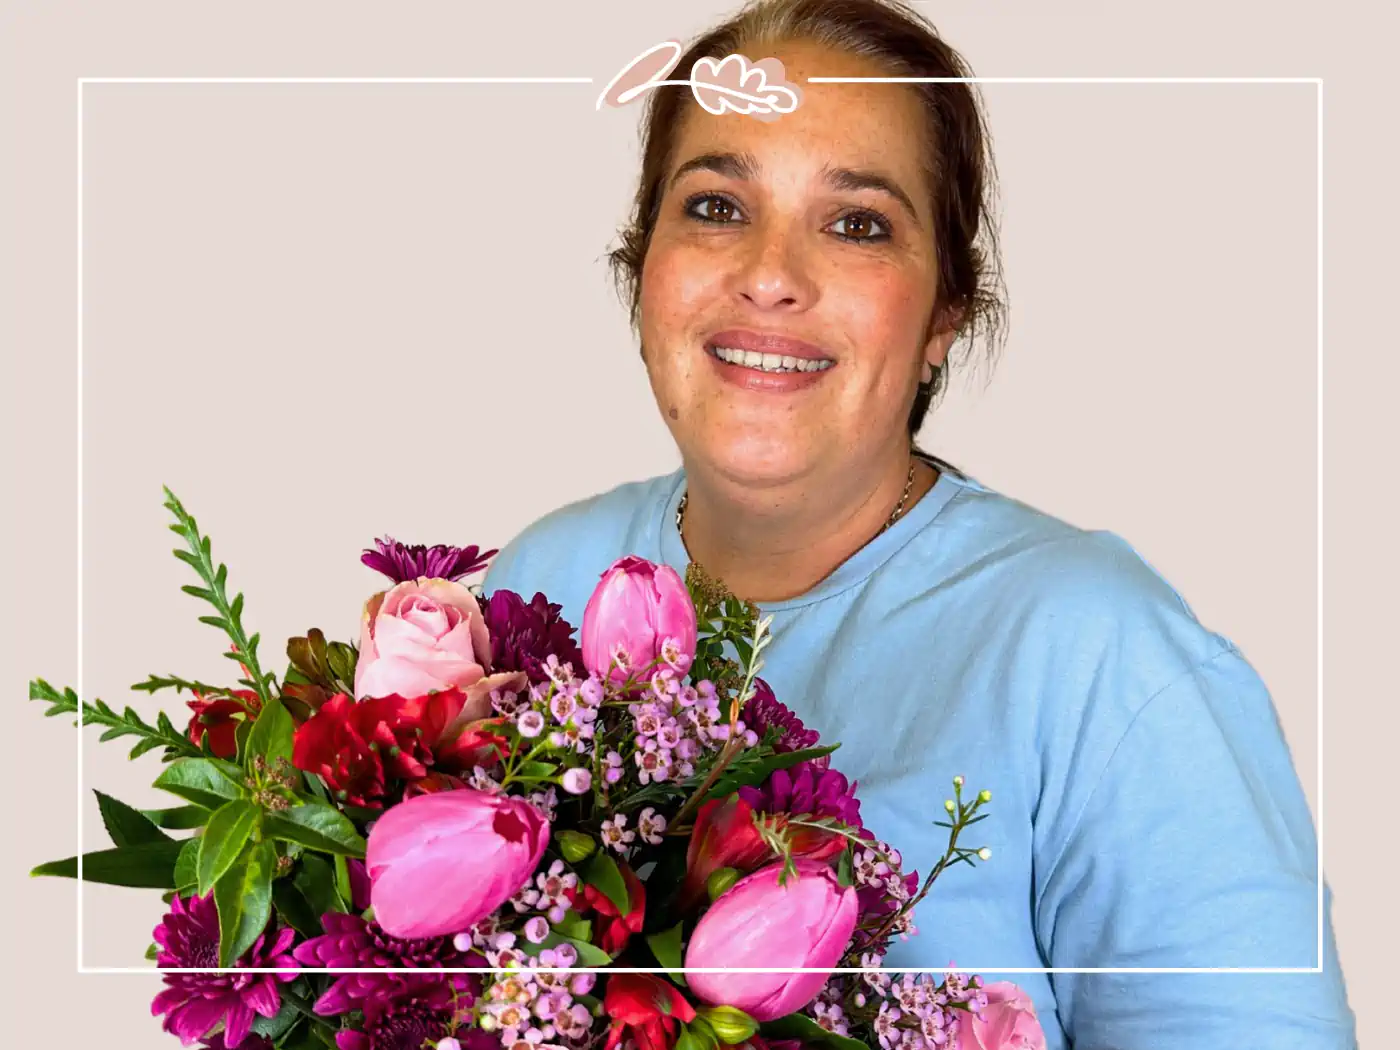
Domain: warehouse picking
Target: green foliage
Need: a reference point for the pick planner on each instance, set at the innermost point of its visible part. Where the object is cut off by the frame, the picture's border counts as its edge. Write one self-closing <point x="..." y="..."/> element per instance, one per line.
<point x="230" y="613"/>
<point x="206" y="782"/>
<point x="244" y="900"/>
<point x="228" y="831"/>
<point x="126" y="826"/>
<point x="316" y="826"/>
<point x="150" y="866"/>
<point x="128" y="723"/>
<point x="602" y="873"/>
<point x="271" y="735"/>
<point x="666" y="946"/>
<point x="808" y="1032"/>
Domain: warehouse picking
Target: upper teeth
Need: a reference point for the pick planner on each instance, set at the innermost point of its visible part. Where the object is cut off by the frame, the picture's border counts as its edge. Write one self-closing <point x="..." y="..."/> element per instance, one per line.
<point x="770" y="362"/>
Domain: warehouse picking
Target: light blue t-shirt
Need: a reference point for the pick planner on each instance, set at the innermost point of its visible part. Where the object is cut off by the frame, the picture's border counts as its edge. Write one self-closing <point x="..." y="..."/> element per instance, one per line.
<point x="1145" y="810"/>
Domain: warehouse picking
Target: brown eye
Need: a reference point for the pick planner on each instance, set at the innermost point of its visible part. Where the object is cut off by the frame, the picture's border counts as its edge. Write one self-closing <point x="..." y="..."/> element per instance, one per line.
<point x="711" y="209"/>
<point x="858" y="227"/>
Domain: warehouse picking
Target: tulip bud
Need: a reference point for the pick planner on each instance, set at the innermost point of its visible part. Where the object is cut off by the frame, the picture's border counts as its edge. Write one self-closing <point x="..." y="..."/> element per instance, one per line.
<point x="731" y="1024"/>
<point x="575" y="845"/>
<point x="638" y="605"/>
<point x="717" y="883"/>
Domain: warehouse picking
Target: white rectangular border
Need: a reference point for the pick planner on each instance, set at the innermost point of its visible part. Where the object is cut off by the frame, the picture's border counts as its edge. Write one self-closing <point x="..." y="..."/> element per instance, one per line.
<point x="1321" y="887"/>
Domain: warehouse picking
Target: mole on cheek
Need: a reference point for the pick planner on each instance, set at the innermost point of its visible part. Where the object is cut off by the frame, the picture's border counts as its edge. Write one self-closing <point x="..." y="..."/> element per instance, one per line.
<point x="673" y="413"/>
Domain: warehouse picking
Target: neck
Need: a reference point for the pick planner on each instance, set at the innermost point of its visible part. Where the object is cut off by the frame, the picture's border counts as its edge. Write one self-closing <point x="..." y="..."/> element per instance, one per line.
<point x="778" y="542"/>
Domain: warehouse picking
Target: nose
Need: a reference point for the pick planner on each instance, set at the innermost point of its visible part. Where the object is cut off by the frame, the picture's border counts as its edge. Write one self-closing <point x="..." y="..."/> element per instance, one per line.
<point x="773" y="273"/>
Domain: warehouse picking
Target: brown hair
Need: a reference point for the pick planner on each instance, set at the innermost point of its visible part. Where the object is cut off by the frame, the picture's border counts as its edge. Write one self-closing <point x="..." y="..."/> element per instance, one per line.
<point x="960" y="168"/>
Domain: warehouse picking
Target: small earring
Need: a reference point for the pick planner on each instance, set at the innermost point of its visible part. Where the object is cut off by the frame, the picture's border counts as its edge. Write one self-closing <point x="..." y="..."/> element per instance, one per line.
<point x="928" y="373"/>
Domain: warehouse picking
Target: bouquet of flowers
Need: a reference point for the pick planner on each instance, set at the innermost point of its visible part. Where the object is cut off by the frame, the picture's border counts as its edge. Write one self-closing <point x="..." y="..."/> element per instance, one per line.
<point x="471" y="830"/>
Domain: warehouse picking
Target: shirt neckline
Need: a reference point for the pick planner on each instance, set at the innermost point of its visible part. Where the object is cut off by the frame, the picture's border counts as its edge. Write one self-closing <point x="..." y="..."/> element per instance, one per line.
<point x="855" y="569"/>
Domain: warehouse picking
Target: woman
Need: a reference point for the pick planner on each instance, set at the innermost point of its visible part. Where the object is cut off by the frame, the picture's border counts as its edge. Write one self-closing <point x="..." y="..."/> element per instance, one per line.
<point x="797" y="286"/>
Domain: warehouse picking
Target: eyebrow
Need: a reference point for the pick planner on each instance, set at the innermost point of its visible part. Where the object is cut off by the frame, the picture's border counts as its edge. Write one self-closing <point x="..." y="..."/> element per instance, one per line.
<point x="745" y="167"/>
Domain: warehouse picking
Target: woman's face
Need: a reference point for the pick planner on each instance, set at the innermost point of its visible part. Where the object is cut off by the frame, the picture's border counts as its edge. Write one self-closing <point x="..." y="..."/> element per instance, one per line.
<point x="788" y="333"/>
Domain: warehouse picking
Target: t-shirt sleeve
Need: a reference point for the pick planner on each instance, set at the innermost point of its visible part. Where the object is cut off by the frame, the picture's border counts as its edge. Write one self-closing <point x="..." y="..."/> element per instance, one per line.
<point x="1194" y="848"/>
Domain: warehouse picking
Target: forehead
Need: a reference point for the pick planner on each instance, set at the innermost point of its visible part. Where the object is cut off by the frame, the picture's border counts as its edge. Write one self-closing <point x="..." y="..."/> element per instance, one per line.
<point x="855" y="125"/>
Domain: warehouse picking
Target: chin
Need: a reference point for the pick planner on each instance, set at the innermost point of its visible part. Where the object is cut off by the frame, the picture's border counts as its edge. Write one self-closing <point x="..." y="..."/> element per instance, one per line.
<point x="755" y="458"/>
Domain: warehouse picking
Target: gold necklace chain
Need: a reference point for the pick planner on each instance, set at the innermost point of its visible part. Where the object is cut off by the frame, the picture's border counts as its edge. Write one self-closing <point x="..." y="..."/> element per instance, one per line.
<point x="894" y="515"/>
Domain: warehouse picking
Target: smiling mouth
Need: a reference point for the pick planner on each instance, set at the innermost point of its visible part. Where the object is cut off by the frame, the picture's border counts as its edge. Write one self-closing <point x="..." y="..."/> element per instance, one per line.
<point x="775" y="363"/>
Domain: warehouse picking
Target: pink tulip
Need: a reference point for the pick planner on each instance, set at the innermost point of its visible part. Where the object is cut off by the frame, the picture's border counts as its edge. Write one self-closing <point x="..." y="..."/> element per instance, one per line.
<point x="638" y="605"/>
<point x="439" y="863"/>
<point x="1007" y="1022"/>
<point x="808" y="922"/>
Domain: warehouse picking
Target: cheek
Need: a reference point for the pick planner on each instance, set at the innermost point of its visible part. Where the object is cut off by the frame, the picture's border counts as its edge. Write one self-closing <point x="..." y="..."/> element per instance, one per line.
<point x="679" y="287"/>
<point x="885" y="313"/>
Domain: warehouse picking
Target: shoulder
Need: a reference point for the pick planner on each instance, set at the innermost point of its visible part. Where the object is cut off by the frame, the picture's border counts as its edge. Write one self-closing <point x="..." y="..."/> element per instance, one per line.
<point x="1032" y="563"/>
<point x="563" y="552"/>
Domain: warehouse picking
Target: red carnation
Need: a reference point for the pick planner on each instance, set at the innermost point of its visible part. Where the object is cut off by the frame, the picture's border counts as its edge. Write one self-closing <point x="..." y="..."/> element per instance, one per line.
<point x="646" y="1009"/>
<point x="613" y="929"/>
<point x="356" y="748"/>
<point x="220" y="718"/>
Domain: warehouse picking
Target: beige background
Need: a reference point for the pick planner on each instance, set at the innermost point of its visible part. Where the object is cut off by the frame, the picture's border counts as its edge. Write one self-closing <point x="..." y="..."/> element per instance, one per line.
<point x="303" y="304"/>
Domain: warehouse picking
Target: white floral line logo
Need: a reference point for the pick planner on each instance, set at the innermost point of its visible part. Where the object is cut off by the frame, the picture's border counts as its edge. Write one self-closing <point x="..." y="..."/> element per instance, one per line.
<point x="758" y="89"/>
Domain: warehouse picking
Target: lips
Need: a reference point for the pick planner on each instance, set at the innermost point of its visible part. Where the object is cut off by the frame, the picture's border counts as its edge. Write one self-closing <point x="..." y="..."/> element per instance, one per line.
<point x="767" y="343"/>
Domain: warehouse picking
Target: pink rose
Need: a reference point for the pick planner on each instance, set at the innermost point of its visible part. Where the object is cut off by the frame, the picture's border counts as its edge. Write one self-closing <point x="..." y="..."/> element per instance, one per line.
<point x="428" y="634"/>
<point x="637" y="605"/>
<point x="1008" y="1022"/>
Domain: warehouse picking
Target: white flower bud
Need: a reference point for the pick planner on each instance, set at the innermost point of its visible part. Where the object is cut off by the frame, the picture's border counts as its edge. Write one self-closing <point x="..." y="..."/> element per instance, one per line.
<point x="958" y="781"/>
<point x="948" y="805"/>
<point x="984" y="853"/>
<point x="985" y="796"/>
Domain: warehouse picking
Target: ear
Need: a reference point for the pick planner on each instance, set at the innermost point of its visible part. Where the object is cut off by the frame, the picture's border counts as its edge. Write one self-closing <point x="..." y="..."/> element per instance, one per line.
<point x="944" y="331"/>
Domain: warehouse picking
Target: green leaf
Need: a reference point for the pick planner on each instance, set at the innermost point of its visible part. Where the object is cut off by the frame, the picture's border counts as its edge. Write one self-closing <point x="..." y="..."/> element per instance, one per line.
<point x="128" y="723"/>
<point x="272" y="733"/>
<point x="315" y="881"/>
<point x="224" y="838"/>
<point x="274" y="1028"/>
<point x="687" y="1040"/>
<point x="153" y="952"/>
<point x="294" y="909"/>
<point x="807" y="1031"/>
<point x="199" y="780"/>
<point x="601" y="872"/>
<point x="316" y="826"/>
<point x="342" y="882"/>
<point x="187" y="866"/>
<point x="575" y="927"/>
<point x="845" y="875"/>
<point x="244" y="899"/>
<point x="530" y="770"/>
<point x="150" y="866"/>
<point x="181" y="818"/>
<point x="666" y="946"/>
<point x="127" y="826"/>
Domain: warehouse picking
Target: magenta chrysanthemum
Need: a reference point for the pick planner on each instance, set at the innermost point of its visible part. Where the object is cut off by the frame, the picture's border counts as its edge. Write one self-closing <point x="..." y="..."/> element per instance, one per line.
<point x="352" y="942"/>
<point x="417" y="1016"/>
<point x="195" y="1003"/>
<point x="806" y="788"/>
<point x="764" y="711"/>
<point x="400" y="561"/>
<point x="523" y="635"/>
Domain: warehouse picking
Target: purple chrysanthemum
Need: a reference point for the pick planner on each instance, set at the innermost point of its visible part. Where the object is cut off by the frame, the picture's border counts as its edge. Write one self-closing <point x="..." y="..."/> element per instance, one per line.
<point x="807" y="788"/>
<point x="765" y="711"/>
<point x="194" y="1003"/>
<point x="418" y="1015"/>
<point x="350" y="941"/>
<point x="524" y="634"/>
<point x="401" y="562"/>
